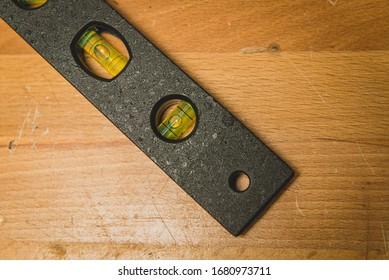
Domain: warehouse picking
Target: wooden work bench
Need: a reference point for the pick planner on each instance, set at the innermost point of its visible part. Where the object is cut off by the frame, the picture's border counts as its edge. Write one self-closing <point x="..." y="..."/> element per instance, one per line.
<point x="310" y="78"/>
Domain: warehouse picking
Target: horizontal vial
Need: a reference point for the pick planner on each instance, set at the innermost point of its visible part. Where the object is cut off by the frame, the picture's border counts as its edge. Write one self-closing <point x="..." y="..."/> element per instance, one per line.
<point x="103" y="52"/>
<point x="178" y="121"/>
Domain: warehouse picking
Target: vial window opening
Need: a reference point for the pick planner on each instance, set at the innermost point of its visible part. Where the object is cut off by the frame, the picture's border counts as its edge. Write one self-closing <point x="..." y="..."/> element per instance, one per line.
<point x="101" y="51"/>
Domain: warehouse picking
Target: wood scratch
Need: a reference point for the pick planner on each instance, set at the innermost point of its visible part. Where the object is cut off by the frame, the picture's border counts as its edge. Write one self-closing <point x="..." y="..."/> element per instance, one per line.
<point x="35" y="118"/>
<point x="305" y="77"/>
<point x="385" y="243"/>
<point x="20" y="134"/>
<point x="162" y="186"/>
<point x="162" y="220"/>
<point x="296" y="201"/>
<point x="44" y="133"/>
<point x="363" y="156"/>
<point x="298" y="207"/>
<point x="333" y="2"/>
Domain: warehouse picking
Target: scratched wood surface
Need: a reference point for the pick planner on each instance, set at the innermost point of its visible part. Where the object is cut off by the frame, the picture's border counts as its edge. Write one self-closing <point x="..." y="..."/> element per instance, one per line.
<point x="311" y="78"/>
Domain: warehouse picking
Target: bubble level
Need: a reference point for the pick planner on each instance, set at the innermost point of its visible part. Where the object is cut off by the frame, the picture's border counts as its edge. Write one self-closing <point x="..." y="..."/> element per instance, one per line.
<point x="106" y="55"/>
<point x="178" y="121"/>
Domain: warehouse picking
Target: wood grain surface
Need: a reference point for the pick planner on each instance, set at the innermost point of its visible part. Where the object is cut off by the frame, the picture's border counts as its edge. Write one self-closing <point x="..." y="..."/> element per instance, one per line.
<point x="310" y="78"/>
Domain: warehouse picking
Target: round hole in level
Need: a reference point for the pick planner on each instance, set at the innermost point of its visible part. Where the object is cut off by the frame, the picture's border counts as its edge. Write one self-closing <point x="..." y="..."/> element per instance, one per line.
<point x="30" y="4"/>
<point x="239" y="181"/>
<point x="101" y="51"/>
<point x="174" y="118"/>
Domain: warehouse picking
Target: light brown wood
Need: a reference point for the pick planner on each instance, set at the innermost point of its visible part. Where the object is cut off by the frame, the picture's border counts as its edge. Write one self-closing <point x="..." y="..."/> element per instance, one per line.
<point x="308" y="77"/>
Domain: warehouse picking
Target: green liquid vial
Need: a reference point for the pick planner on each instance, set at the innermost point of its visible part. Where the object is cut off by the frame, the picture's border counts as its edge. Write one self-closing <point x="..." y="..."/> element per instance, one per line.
<point x="178" y="121"/>
<point x="106" y="55"/>
<point x="31" y="4"/>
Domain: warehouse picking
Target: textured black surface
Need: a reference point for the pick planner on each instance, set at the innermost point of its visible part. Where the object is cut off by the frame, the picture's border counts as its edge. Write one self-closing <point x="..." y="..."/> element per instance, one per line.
<point x="202" y="164"/>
